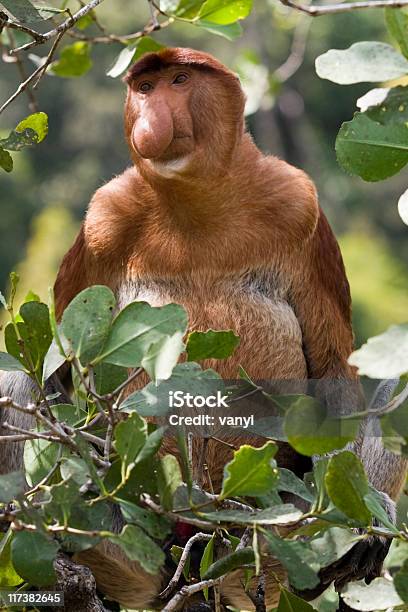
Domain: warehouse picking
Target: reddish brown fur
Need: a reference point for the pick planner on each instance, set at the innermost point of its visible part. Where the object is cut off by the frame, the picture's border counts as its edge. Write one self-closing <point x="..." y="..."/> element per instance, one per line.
<point x="194" y="232"/>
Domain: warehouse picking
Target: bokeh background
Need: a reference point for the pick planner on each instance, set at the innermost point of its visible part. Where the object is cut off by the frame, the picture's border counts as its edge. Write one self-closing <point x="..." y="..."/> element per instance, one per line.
<point x="44" y="199"/>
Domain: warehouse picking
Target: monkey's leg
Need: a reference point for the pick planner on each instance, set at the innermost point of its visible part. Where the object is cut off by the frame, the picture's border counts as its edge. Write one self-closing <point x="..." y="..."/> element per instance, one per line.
<point x="22" y="390"/>
<point x="386" y="472"/>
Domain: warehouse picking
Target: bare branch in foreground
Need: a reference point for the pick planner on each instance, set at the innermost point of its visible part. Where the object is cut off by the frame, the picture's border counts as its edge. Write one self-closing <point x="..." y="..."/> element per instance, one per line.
<point x="61" y="28"/>
<point x="38" y="72"/>
<point x="343" y="7"/>
<point x="198" y="537"/>
<point x="186" y="592"/>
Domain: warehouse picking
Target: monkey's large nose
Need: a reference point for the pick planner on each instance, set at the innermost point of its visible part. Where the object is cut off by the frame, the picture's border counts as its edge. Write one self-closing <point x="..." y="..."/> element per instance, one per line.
<point x="153" y="130"/>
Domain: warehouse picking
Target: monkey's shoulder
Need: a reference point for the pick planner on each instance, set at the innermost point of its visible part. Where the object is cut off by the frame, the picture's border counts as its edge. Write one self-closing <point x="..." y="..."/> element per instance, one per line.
<point x="288" y="199"/>
<point x="116" y="210"/>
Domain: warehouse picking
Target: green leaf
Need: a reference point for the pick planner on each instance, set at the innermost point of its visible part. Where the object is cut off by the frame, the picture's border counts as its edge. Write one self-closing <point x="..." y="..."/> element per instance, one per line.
<point x="311" y="431"/>
<point x="276" y="515"/>
<point x="236" y="559"/>
<point x="389" y="106"/>
<point x="33" y="555"/>
<point x="225" y="11"/>
<point x="367" y="61"/>
<point x="47" y="11"/>
<point x="371" y="150"/>
<point x="62" y="498"/>
<point x="300" y="561"/>
<point x="375" y="503"/>
<point x="290" y="483"/>
<point x="384" y="356"/>
<point x="251" y="472"/>
<point x="34" y="329"/>
<point x="75" y="468"/>
<point x="168" y="6"/>
<point x="16" y="141"/>
<point x="289" y="602"/>
<point x="108" y="377"/>
<point x="139" y="547"/>
<point x="211" y="345"/>
<point x="397" y="24"/>
<point x="8" y="575"/>
<point x="12" y="485"/>
<point x="22" y="10"/>
<point x="397" y="555"/>
<point x="40" y="456"/>
<point x="53" y="360"/>
<point x="139" y="337"/>
<point x="151" y="446"/>
<point x="130" y="436"/>
<point x="87" y="320"/>
<point x="328" y="601"/>
<point x="131" y="53"/>
<point x="188" y="9"/>
<point x="153" y="400"/>
<point x="169" y="480"/>
<point x="206" y="561"/>
<point x="6" y="161"/>
<point x="347" y="484"/>
<point x="157" y="526"/>
<point x="87" y="518"/>
<point x="360" y="596"/>
<point x="74" y="60"/>
<point x="37" y="122"/>
<point x="231" y="31"/>
<point x="85" y="21"/>
<point x="401" y="582"/>
<point x="333" y="544"/>
<point x="9" y="363"/>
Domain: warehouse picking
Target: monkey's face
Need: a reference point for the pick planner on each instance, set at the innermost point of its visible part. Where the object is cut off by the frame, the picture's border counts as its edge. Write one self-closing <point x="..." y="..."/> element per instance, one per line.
<point x="183" y="118"/>
<point x="163" y="128"/>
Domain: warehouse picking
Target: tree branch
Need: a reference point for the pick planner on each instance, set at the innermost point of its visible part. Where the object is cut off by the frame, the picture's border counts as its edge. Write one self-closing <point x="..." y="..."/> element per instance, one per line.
<point x="198" y="537"/>
<point x="61" y="28"/>
<point x="343" y="7"/>
<point x="38" y="72"/>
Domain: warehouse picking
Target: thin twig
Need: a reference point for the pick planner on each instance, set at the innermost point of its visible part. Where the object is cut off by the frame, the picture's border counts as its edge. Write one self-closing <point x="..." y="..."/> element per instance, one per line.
<point x="343" y="7"/>
<point x="123" y="385"/>
<point x="147" y="501"/>
<point x="30" y="434"/>
<point x="5" y="22"/>
<point x="186" y="592"/>
<point x="198" y="537"/>
<point x="38" y="71"/>
<point x="32" y="102"/>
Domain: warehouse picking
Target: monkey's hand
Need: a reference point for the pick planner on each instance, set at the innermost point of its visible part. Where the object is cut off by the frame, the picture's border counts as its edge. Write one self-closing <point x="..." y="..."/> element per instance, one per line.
<point x="363" y="561"/>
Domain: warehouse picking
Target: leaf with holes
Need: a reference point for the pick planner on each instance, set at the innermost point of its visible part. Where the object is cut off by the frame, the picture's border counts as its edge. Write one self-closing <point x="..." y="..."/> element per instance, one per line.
<point x="86" y="322"/>
<point x="371" y="150"/>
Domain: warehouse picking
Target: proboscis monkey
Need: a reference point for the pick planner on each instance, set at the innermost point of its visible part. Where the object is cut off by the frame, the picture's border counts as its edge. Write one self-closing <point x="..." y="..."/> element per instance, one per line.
<point x="205" y="219"/>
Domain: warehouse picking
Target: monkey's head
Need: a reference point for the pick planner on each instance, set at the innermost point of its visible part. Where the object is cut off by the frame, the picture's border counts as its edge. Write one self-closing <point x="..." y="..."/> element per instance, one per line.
<point x="184" y="113"/>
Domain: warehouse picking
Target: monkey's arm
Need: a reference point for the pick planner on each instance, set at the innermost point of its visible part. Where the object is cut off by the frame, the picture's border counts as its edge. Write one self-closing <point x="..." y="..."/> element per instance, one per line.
<point x="323" y="307"/>
<point x="321" y="296"/>
<point x="72" y="275"/>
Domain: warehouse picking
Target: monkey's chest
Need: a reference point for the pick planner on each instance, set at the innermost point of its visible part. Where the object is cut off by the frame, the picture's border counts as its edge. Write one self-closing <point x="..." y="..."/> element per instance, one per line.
<point x="253" y="306"/>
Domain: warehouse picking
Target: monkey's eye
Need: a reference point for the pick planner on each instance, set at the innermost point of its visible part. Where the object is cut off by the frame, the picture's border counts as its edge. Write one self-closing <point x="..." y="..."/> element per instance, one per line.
<point x="180" y="78"/>
<point x="145" y="87"/>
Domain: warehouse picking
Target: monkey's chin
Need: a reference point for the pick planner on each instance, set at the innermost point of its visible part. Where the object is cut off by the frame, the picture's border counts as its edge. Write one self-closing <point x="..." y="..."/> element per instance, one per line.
<point x="171" y="168"/>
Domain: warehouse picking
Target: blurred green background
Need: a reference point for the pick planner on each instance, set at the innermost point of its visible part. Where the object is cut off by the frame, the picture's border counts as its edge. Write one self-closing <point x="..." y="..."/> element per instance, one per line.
<point x="44" y="199"/>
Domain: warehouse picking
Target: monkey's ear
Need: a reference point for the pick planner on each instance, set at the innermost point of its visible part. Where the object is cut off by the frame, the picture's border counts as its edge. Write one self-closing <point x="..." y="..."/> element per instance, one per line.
<point x="128" y="78"/>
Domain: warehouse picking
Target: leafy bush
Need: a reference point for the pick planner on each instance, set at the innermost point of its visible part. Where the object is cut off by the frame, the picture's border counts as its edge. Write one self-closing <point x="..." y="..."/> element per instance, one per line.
<point x="101" y="448"/>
